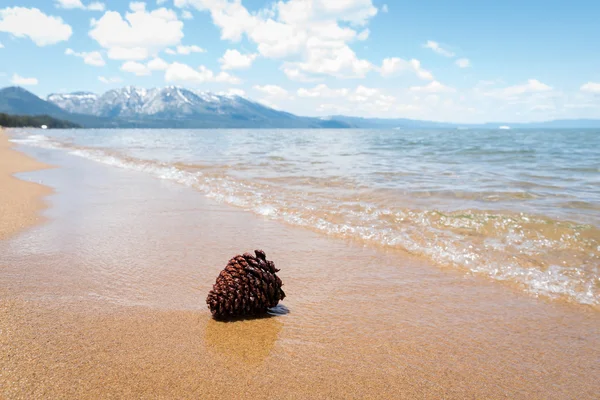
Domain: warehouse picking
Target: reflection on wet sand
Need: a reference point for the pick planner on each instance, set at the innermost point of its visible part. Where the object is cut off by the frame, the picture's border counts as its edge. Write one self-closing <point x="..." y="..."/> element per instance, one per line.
<point x="250" y="341"/>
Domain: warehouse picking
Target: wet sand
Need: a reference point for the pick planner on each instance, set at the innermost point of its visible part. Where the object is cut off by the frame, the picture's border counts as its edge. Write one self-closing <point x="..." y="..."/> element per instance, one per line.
<point x="106" y="299"/>
<point x="20" y="201"/>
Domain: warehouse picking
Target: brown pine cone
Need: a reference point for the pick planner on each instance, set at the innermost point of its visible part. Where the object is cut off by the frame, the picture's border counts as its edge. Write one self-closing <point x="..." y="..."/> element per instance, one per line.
<point x="247" y="286"/>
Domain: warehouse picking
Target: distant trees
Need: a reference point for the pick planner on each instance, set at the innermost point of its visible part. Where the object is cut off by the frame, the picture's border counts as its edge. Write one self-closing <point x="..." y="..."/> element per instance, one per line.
<point x="19" y="121"/>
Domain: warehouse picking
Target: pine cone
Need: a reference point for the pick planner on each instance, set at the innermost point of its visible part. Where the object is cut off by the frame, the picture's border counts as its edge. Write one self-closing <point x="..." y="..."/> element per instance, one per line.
<point x="247" y="286"/>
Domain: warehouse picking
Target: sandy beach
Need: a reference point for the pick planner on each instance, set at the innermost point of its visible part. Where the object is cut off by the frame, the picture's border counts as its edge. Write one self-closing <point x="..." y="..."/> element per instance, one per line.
<point x="105" y="299"/>
<point x="20" y="201"/>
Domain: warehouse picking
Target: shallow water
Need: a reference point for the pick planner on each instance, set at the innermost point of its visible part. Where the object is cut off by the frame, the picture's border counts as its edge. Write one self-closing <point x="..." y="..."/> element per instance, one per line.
<point x="106" y="299"/>
<point x="516" y="206"/>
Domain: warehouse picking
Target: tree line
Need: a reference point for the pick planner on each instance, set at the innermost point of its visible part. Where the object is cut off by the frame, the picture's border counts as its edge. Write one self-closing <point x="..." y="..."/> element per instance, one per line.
<point x="36" y="121"/>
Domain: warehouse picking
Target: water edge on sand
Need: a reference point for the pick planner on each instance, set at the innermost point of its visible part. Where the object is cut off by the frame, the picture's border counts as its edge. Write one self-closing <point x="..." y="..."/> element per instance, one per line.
<point x="107" y="299"/>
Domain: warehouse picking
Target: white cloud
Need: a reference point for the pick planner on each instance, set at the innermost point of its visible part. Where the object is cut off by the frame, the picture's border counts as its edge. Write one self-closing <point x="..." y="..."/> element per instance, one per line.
<point x="433" y="87"/>
<point x="77" y="4"/>
<point x="273" y="91"/>
<point x="435" y="46"/>
<point x="233" y="59"/>
<point x="463" y="63"/>
<point x="1" y="45"/>
<point x="159" y="2"/>
<point x="543" y="107"/>
<point x="19" y="80"/>
<point x="233" y="92"/>
<point x="140" y="35"/>
<point x="334" y="59"/>
<point x="407" y="108"/>
<point x="313" y="35"/>
<point x="157" y="64"/>
<point x="511" y="92"/>
<point x="394" y="65"/>
<point x="96" y="6"/>
<point x="590" y="87"/>
<point x="140" y="69"/>
<point x="363" y="35"/>
<point x="69" y="4"/>
<point x="332" y="108"/>
<point x="136" y="68"/>
<point x="384" y="8"/>
<point x="137" y="6"/>
<point x="122" y="53"/>
<point x="42" y="29"/>
<point x="90" y="58"/>
<point x="185" y="50"/>
<point x="295" y="74"/>
<point x="226" y="77"/>
<point x="322" y="90"/>
<point x="185" y="14"/>
<point x="108" y="80"/>
<point x="178" y="72"/>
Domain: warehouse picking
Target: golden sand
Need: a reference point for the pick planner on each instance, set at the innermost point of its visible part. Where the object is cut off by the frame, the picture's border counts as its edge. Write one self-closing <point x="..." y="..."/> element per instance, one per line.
<point x="109" y="303"/>
<point x="20" y="201"/>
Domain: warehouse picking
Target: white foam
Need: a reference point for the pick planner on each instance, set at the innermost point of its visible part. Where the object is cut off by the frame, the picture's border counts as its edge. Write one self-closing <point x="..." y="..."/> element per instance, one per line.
<point x="427" y="233"/>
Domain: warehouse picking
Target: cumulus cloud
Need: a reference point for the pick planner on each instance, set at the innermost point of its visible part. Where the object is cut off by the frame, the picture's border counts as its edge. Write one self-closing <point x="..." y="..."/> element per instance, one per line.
<point x="322" y="90"/>
<point x="233" y="92"/>
<point x="96" y="6"/>
<point x="295" y="74"/>
<point x="1" y="45"/>
<point x="77" y="4"/>
<point x="141" y="69"/>
<point x="185" y="50"/>
<point x="273" y="91"/>
<point x="178" y="72"/>
<point x="233" y="59"/>
<point x="332" y="108"/>
<point x="316" y="32"/>
<point x="185" y="14"/>
<point x="42" y="29"/>
<point x="90" y="58"/>
<point x="157" y="64"/>
<point x="139" y="35"/>
<point x="21" y="81"/>
<point x="68" y="4"/>
<point x="363" y="35"/>
<point x="109" y="80"/>
<point x="435" y="46"/>
<point x="433" y="87"/>
<point x="531" y="87"/>
<point x="136" y="68"/>
<point x="463" y="63"/>
<point x="590" y="87"/>
<point x="395" y="65"/>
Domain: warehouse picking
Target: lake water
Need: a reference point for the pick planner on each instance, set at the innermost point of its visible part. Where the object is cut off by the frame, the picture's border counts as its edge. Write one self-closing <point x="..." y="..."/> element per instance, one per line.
<point x="521" y="206"/>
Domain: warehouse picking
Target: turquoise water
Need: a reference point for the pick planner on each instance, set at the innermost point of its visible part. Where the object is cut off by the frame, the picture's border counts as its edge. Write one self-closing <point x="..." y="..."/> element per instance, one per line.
<point x="517" y="206"/>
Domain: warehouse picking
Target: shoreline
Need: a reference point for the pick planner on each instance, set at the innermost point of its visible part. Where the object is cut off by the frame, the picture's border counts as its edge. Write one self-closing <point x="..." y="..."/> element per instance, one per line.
<point x="107" y="299"/>
<point x="21" y="201"/>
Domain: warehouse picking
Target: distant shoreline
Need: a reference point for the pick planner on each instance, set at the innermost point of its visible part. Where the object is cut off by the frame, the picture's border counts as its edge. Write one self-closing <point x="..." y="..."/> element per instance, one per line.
<point x="155" y="108"/>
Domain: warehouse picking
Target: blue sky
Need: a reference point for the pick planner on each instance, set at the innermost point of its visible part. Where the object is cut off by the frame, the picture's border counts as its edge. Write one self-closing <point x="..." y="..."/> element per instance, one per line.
<point x="462" y="61"/>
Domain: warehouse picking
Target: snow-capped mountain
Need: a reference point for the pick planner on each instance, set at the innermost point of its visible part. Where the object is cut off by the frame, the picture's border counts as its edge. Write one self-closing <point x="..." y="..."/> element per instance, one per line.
<point x="170" y="107"/>
<point x="169" y="102"/>
<point x="77" y="102"/>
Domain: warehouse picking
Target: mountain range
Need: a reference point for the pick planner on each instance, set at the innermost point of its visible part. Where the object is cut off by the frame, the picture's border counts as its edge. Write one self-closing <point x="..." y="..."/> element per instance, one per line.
<point x="177" y="107"/>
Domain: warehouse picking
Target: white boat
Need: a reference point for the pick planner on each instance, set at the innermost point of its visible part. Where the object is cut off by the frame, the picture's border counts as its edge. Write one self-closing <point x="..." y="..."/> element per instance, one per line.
<point x="505" y="127"/>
